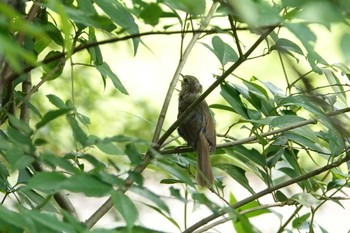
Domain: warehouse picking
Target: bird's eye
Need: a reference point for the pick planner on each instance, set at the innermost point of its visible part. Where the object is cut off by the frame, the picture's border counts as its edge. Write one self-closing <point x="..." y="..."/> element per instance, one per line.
<point x="186" y="80"/>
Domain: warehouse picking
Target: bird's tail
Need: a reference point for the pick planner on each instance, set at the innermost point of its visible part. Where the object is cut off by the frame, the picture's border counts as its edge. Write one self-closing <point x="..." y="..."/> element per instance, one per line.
<point x="204" y="170"/>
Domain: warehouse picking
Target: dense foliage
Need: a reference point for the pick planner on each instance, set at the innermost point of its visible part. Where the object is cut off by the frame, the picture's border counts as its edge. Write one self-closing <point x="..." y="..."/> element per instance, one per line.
<point x="289" y="132"/>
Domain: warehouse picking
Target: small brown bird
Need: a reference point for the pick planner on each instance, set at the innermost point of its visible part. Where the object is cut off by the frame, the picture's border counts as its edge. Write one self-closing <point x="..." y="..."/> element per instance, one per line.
<point x="197" y="128"/>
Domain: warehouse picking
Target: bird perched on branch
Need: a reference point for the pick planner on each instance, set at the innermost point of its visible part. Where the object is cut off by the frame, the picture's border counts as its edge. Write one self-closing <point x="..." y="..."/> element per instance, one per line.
<point x="197" y="128"/>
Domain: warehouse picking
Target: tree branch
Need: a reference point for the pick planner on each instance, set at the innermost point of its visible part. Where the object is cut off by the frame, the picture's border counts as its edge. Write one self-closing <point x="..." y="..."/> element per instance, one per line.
<point x="243" y="212"/>
<point x="269" y="190"/>
<point x="12" y="77"/>
<point x="265" y="134"/>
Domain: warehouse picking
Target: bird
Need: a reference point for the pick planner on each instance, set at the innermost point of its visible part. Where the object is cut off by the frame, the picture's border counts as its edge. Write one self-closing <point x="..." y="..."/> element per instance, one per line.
<point x="198" y="128"/>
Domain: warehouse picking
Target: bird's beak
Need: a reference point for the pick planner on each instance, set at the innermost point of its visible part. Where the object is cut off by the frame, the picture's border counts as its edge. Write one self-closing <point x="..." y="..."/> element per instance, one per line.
<point x="181" y="80"/>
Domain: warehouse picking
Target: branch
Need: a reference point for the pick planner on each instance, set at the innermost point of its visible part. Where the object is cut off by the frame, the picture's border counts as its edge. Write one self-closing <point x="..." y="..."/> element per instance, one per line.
<point x="243" y="212"/>
<point x="265" y="134"/>
<point x="269" y="190"/>
<point x="12" y="77"/>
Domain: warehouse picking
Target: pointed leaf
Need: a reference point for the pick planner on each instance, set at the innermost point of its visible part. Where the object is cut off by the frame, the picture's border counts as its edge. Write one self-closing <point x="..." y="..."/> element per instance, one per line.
<point x="106" y="71"/>
<point x="50" y="116"/>
<point x="126" y="208"/>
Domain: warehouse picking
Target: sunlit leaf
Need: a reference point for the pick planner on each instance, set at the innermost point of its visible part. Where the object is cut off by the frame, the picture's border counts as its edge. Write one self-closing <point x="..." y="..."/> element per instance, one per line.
<point x="55" y="100"/>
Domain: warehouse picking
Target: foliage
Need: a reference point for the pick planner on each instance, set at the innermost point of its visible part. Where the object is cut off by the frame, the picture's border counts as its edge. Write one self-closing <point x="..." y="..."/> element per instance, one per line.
<point x="290" y="133"/>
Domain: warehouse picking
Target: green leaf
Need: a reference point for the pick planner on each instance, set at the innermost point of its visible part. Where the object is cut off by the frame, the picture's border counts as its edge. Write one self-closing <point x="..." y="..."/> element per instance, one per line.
<point x="251" y="155"/>
<point x="322" y="12"/>
<point x="88" y="17"/>
<point x="345" y="45"/>
<point x="223" y="51"/>
<point x="336" y="85"/>
<point x="126" y="208"/>
<point x="286" y="46"/>
<point x="87" y="184"/>
<point x="121" y="16"/>
<point x="307" y="38"/>
<point x="238" y="174"/>
<point x="52" y="65"/>
<point x="106" y="71"/>
<point x="56" y="101"/>
<point x="172" y="220"/>
<point x="193" y="7"/>
<point x="109" y="148"/>
<point x="284" y="121"/>
<point x="58" y="161"/>
<point x="259" y="97"/>
<point x="78" y="133"/>
<point x="22" y="141"/>
<point x="54" y="33"/>
<point x="133" y="154"/>
<point x="15" y="53"/>
<point x="174" y="171"/>
<point x="4" y="174"/>
<point x="297" y="222"/>
<point x="135" y="229"/>
<point x="280" y="196"/>
<point x="65" y="24"/>
<point x="48" y="182"/>
<point x="49" y="221"/>
<point x="95" y="52"/>
<point x="35" y="199"/>
<point x="231" y="95"/>
<point x="302" y="140"/>
<point x="306" y="199"/>
<point x="50" y="116"/>
<point x="240" y="222"/>
<point x="20" y="125"/>
<point x="274" y="154"/>
<point x="156" y="199"/>
<point x="151" y="14"/>
<point x="13" y="218"/>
